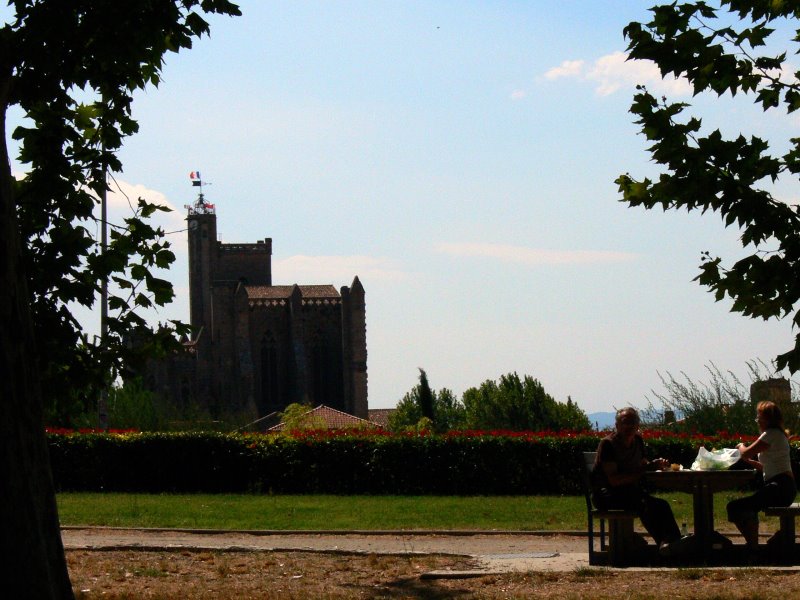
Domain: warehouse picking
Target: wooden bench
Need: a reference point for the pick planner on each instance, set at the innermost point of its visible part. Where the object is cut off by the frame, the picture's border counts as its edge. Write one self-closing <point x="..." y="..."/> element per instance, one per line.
<point x="784" y="540"/>
<point x="623" y="545"/>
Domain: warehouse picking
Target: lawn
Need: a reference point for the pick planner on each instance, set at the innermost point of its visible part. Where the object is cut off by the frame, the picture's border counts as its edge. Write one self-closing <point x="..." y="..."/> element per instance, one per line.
<point x="328" y="512"/>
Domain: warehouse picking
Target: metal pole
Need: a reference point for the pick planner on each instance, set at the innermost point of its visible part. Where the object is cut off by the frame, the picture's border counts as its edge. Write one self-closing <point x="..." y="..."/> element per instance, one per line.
<point x="102" y="402"/>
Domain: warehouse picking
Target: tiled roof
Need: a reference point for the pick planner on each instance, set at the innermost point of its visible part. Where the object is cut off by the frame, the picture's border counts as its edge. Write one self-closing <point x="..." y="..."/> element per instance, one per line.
<point x="332" y="419"/>
<point x="269" y="292"/>
<point x="380" y="415"/>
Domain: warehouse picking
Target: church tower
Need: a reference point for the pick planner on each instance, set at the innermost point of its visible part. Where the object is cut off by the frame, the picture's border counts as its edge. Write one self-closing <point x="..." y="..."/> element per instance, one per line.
<point x="202" y="234"/>
<point x="257" y="347"/>
<point x="202" y="239"/>
<point x="354" y="344"/>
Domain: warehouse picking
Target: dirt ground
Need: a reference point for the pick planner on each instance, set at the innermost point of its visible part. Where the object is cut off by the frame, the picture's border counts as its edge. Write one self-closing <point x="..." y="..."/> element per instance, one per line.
<point x="183" y="573"/>
<point x="188" y="564"/>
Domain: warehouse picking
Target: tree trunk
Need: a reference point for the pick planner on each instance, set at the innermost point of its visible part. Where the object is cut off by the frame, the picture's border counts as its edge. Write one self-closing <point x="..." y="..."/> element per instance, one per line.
<point x="32" y="560"/>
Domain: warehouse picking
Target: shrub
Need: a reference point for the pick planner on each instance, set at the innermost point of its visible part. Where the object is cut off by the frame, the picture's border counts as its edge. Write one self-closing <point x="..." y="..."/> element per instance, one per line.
<point x="720" y="403"/>
<point x="341" y="462"/>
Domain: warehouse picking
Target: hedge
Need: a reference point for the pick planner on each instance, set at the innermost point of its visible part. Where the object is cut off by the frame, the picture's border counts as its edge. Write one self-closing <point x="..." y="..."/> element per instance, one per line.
<point x="341" y="462"/>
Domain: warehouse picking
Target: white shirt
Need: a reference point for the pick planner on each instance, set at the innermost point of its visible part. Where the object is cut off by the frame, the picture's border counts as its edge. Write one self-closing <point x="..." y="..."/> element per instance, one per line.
<point x="774" y="459"/>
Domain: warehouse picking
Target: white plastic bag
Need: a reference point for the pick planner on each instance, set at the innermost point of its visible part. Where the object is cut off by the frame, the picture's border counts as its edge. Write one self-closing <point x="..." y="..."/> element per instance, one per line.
<point x="715" y="460"/>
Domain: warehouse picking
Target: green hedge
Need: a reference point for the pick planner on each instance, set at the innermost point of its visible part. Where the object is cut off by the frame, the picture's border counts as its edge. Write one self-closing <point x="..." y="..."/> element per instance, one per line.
<point x="465" y="463"/>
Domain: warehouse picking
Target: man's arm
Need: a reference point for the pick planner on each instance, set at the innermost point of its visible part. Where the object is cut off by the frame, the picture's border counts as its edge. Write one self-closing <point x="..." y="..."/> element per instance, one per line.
<point x="615" y="478"/>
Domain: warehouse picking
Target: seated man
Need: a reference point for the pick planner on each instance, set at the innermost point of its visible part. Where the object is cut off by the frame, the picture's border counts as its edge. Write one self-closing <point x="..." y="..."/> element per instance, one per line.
<point x="616" y="479"/>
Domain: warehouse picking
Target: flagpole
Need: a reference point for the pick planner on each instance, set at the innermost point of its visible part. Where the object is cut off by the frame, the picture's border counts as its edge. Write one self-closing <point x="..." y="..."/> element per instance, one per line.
<point x="201" y="207"/>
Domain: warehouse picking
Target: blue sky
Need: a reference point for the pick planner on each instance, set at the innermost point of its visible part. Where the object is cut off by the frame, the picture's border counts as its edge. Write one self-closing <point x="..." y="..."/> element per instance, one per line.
<point x="459" y="157"/>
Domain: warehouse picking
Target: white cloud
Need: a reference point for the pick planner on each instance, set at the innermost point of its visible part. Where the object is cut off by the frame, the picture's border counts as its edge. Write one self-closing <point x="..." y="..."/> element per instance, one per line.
<point x="614" y="71"/>
<point x="123" y="194"/>
<point x="340" y="269"/>
<point x="532" y="256"/>
<point x="568" y="68"/>
<point x="123" y="199"/>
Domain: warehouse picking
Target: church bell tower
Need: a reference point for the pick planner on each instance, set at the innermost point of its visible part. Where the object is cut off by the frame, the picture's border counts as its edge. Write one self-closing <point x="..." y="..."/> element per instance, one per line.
<point x="202" y="225"/>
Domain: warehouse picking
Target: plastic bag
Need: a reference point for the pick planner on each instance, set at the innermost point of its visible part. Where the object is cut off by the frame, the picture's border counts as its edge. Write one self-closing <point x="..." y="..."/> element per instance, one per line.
<point x="715" y="460"/>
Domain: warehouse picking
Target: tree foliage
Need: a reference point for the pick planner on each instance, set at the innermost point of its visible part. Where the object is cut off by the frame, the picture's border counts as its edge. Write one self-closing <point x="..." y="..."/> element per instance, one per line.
<point x="520" y="404"/>
<point x="425" y="396"/>
<point x="511" y="403"/>
<point x="296" y="416"/>
<point x="426" y="408"/>
<point x="71" y="67"/>
<point x="725" y="49"/>
<point x="131" y="405"/>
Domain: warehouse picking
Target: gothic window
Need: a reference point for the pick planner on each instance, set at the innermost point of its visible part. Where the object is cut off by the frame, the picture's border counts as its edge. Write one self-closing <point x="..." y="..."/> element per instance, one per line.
<point x="324" y="369"/>
<point x="269" y="371"/>
<point x="316" y="368"/>
<point x="185" y="393"/>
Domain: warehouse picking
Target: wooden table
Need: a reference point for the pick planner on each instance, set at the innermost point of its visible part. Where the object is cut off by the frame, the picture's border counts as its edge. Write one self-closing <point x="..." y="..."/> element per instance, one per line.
<point x="702" y="485"/>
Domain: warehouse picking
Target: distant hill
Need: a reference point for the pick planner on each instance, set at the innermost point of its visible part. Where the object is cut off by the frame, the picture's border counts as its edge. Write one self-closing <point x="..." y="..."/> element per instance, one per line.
<point x="602" y="420"/>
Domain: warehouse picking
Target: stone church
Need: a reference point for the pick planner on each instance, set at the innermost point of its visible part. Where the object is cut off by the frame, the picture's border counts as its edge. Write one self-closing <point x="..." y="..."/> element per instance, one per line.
<point x="258" y="347"/>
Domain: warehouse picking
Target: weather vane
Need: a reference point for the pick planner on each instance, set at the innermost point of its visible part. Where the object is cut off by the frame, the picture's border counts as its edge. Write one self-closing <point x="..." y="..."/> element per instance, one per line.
<point x="200" y="207"/>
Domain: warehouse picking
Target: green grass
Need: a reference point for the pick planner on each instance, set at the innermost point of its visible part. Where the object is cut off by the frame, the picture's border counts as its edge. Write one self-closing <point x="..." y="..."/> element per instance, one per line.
<point x="315" y="512"/>
<point x="320" y="511"/>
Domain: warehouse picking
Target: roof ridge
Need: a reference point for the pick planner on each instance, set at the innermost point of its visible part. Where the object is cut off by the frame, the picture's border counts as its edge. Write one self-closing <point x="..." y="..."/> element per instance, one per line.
<point x="336" y="410"/>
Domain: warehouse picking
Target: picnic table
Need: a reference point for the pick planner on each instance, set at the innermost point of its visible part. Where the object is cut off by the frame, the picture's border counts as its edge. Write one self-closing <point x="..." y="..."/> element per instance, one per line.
<point x="709" y="545"/>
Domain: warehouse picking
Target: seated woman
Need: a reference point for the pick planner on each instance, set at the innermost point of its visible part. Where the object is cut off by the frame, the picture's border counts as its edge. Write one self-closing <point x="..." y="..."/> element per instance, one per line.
<point x="770" y="454"/>
<point x="617" y="481"/>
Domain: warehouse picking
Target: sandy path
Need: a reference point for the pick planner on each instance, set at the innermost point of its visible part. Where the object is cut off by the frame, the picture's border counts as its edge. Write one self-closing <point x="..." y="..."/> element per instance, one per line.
<point x="496" y="552"/>
<point x="368" y="542"/>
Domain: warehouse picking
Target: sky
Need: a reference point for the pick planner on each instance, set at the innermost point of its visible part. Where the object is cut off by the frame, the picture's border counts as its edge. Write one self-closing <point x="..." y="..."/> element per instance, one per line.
<point x="459" y="157"/>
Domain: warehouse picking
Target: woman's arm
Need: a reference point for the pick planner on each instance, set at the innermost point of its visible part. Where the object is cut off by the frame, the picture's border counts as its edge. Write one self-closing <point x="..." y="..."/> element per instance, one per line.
<point x="749" y="453"/>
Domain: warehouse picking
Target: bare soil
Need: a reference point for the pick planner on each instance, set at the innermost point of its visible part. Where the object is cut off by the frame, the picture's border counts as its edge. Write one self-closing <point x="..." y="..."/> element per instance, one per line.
<point x="184" y="573"/>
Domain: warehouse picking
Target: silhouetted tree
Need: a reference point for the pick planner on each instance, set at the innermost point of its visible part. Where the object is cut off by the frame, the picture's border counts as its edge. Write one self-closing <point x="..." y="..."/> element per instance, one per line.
<point x="54" y="54"/>
<point x="425" y="396"/>
<point x="727" y="47"/>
